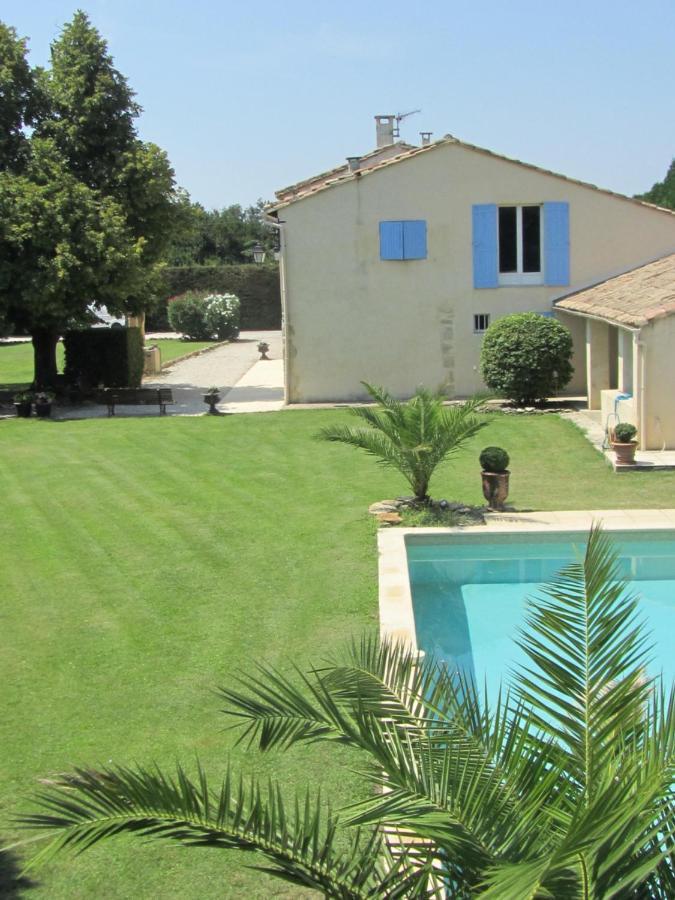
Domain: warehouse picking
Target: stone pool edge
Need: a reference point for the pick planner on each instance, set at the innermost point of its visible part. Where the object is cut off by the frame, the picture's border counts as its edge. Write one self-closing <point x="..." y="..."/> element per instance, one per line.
<point x="397" y="621"/>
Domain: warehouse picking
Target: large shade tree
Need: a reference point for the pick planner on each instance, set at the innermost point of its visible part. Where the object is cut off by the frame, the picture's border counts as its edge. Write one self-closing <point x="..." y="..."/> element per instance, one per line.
<point x="87" y="215"/>
<point x="564" y="788"/>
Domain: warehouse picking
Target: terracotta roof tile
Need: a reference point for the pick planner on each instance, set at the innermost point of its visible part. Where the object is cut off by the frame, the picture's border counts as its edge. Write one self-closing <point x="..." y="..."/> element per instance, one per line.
<point x="634" y="298"/>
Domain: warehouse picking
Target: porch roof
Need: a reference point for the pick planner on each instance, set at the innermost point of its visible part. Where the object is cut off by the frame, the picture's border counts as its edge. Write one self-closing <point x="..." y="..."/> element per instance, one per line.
<point x="634" y="298"/>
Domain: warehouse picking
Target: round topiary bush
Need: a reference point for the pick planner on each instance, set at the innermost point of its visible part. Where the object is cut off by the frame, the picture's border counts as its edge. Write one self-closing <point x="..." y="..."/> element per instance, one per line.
<point x="494" y="459"/>
<point x="526" y="357"/>
<point x="187" y="315"/>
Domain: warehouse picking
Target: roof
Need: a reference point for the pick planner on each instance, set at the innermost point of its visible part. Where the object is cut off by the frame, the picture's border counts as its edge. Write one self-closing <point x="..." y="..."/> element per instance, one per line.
<point x="342" y="174"/>
<point x="633" y="299"/>
<point x="365" y="162"/>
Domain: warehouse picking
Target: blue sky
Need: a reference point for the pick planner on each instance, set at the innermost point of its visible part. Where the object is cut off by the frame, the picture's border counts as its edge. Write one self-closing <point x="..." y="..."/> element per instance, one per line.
<point x="249" y="97"/>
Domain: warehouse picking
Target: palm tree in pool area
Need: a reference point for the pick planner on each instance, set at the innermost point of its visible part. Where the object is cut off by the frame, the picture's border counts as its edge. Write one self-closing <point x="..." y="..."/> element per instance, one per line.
<point x="413" y="436"/>
<point x="563" y="789"/>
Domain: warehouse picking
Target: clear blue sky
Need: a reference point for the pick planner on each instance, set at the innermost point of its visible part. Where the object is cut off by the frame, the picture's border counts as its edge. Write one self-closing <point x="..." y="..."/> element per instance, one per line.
<point x="247" y="97"/>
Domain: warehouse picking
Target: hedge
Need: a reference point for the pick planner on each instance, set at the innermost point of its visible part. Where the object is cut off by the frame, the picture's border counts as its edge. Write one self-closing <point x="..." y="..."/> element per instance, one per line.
<point x="109" y="356"/>
<point x="257" y="287"/>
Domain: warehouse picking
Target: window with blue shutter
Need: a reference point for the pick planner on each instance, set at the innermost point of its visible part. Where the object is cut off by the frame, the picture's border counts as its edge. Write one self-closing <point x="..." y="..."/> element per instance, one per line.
<point x="556" y="243"/>
<point x="406" y="239"/>
<point x="391" y="240"/>
<point x="415" y="239"/>
<point x="485" y="274"/>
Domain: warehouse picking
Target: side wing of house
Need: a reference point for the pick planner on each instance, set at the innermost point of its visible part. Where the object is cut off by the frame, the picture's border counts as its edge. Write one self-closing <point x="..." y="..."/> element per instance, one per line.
<point x="392" y="277"/>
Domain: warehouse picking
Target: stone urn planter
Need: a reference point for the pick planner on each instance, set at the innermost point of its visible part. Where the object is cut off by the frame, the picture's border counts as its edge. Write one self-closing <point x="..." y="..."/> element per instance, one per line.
<point x="212" y="397"/>
<point x="495" y="476"/>
<point x="624" y="443"/>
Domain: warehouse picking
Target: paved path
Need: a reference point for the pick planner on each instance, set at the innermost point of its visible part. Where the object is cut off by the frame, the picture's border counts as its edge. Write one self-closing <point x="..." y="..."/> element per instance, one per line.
<point x="246" y="383"/>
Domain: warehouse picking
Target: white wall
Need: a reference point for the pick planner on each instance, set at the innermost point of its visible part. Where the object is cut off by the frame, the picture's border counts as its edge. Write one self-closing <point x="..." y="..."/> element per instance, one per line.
<point x="351" y="316"/>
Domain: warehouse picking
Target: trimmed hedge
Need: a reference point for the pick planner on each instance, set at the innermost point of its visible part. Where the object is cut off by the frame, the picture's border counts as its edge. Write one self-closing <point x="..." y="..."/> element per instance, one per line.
<point x="257" y="287"/>
<point x="109" y="356"/>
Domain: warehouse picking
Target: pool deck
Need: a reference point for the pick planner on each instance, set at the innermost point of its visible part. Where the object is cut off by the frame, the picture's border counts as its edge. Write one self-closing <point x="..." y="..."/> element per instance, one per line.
<point x="397" y="621"/>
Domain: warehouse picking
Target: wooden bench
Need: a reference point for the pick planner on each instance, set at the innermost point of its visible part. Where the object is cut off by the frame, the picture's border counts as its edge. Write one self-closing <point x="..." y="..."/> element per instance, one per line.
<point x="135" y="397"/>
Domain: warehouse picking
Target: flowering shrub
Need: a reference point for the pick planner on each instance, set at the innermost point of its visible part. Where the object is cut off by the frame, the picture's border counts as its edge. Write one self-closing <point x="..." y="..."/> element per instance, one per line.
<point x="201" y="317"/>
<point x="222" y="315"/>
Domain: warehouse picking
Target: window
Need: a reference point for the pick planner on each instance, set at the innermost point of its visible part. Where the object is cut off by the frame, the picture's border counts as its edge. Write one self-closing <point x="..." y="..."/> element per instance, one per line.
<point x="481" y="322"/>
<point x="405" y="239"/>
<point x="520" y="245"/>
<point x="519" y="236"/>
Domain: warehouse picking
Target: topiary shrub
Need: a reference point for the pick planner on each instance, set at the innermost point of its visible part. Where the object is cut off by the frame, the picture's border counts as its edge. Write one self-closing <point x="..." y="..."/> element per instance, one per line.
<point x="222" y="315"/>
<point x="187" y="314"/>
<point x="494" y="459"/>
<point x="624" y="433"/>
<point x="109" y="356"/>
<point x="526" y="357"/>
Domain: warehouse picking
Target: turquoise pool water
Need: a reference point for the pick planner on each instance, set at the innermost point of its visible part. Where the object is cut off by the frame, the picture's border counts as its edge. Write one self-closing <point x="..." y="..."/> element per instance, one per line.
<point x="469" y="593"/>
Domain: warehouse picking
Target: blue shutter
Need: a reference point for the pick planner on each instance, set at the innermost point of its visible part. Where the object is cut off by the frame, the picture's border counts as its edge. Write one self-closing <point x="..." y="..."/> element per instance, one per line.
<point x="485" y="273"/>
<point x="557" y="243"/>
<point x="391" y="240"/>
<point x="415" y="239"/>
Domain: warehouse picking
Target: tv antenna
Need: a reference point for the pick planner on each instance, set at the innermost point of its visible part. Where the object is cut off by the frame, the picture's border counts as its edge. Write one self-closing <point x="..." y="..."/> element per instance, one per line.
<point x="399" y="118"/>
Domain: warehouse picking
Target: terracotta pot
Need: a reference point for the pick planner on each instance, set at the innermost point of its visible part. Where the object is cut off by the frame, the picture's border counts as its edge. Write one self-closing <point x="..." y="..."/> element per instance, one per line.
<point x="495" y="488"/>
<point x="625" y="453"/>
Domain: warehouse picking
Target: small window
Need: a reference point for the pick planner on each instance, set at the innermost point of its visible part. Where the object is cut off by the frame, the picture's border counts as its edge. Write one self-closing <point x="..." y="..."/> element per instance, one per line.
<point x="481" y="322"/>
<point x="520" y="245"/>
<point x="405" y="239"/>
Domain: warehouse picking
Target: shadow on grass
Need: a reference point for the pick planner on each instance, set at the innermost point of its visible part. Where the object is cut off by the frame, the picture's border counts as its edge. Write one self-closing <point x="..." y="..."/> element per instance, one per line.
<point x="12" y="883"/>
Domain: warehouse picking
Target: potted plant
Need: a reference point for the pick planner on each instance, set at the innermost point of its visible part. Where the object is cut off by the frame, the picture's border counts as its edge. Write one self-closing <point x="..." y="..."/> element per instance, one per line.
<point x="263" y="348"/>
<point x="43" y="404"/>
<point x="212" y="396"/>
<point x="624" y="443"/>
<point x="23" y="403"/>
<point x="494" y="463"/>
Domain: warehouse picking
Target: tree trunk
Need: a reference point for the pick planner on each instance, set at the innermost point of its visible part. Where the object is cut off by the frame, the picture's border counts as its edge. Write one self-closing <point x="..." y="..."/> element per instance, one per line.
<point x="44" y="354"/>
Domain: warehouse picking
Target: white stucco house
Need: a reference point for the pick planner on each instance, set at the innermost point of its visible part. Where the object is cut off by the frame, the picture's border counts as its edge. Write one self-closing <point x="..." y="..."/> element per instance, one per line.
<point x="394" y="264"/>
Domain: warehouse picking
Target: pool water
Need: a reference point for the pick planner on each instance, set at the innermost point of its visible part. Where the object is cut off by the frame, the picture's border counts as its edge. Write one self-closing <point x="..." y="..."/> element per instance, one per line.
<point x="469" y="594"/>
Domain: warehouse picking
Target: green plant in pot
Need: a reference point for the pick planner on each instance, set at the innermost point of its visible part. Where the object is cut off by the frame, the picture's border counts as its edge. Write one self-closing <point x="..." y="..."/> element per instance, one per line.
<point x="494" y="462"/>
<point x="43" y="404"/>
<point x="23" y="404"/>
<point x="211" y="397"/>
<point x="624" y="443"/>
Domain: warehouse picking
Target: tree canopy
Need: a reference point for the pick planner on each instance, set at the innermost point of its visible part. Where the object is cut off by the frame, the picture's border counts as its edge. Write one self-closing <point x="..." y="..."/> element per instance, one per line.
<point x="663" y="192"/>
<point x="86" y="207"/>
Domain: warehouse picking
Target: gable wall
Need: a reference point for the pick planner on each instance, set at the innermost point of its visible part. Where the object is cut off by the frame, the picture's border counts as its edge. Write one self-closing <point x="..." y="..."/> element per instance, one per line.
<point x="352" y="317"/>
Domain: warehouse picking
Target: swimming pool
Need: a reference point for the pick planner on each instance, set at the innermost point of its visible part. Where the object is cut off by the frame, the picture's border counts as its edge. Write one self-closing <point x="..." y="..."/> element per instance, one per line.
<point x="469" y="590"/>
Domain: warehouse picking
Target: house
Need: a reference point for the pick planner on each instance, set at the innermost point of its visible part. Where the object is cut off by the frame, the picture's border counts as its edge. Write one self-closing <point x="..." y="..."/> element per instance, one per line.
<point x="394" y="265"/>
<point x="630" y="339"/>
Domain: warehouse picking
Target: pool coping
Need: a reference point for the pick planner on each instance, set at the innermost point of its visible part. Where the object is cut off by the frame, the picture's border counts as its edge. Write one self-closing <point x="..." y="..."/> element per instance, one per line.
<point x="397" y="621"/>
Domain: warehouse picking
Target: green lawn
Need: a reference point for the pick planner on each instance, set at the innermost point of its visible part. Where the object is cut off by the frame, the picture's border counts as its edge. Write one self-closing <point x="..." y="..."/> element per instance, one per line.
<point x="16" y="360"/>
<point x="173" y="348"/>
<point x="145" y="560"/>
<point x="16" y="363"/>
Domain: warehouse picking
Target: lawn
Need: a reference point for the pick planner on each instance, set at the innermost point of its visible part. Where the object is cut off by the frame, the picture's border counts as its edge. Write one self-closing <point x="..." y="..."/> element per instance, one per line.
<point x="16" y="360"/>
<point x="171" y="348"/>
<point x="16" y="363"/>
<point x="146" y="560"/>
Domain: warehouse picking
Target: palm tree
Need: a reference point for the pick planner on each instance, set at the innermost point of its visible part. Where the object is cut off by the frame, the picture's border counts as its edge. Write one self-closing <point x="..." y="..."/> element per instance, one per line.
<point x="563" y="790"/>
<point x="414" y="436"/>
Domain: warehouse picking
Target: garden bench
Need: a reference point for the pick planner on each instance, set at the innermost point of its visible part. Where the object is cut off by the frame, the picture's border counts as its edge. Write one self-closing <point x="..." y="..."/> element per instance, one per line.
<point x="135" y="397"/>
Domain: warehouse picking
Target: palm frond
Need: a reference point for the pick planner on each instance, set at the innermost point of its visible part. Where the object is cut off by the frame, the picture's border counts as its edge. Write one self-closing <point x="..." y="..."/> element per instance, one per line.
<point x="588" y="653"/>
<point x="88" y="806"/>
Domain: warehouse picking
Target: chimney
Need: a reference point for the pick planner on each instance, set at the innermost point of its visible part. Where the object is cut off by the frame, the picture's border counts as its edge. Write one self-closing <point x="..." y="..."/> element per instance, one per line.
<point x="384" y="128"/>
<point x="353" y="162"/>
<point x="426" y="137"/>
